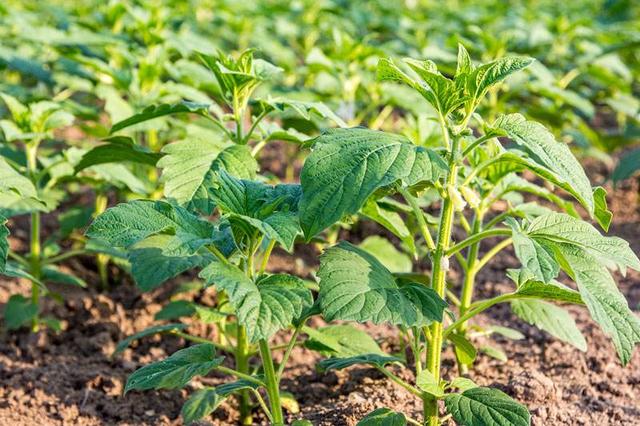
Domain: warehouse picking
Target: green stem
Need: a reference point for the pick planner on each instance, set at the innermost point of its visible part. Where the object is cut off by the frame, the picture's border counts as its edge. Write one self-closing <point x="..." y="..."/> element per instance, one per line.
<point x="35" y="247"/>
<point x="397" y="380"/>
<point x="475" y="144"/>
<point x="242" y="366"/>
<point x="197" y="339"/>
<point x="240" y="375"/>
<point x="271" y="380"/>
<point x="287" y="352"/>
<point x="266" y="256"/>
<point x="491" y="253"/>
<point x="255" y="123"/>
<point x="478" y="307"/>
<point x="419" y="214"/>
<point x="63" y="256"/>
<point x="497" y="232"/>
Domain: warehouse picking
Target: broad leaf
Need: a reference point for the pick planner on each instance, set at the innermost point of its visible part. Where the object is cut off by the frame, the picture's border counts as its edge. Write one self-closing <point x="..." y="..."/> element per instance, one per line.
<point x="391" y="220"/>
<point x="175" y="371"/>
<point x="155" y="111"/>
<point x="534" y="256"/>
<point x="189" y="167"/>
<point x="552" y="319"/>
<point x="375" y="360"/>
<point x="124" y="344"/>
<point x="205" y="401"/>
<point x="354" y="285"/>
<point x="383" y="417"/>
<point x="19" y="311"/>
<point x="347" y="165"/>
<point x="426" y="382"/>
<point x="117" y="149"/>
<point x="128" y="223"/>
<point x="265" y="307"/>
<point x="342" y="341"/>
<point x="391" y="258"/>
<point x="547" y="152"/>
<point x="481" y="406"/>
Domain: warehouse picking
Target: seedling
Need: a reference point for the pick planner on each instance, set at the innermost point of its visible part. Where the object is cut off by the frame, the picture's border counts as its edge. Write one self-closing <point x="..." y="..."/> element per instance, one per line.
<point x="29" y="184"/>
<point x="352" y="171"/>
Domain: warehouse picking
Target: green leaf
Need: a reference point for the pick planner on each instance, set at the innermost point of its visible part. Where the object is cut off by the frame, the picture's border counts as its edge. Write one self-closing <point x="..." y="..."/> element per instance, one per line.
<point x="124" y="344"/>
<point x="206" y="401"/>
<point x="158" y="258"/>
<point x="19" y="311"/>
<point x="628" y="165"/>
<point x="548" y="153"/>
<point x="383" y="417"/>
<point x="465" y="351"/>
<point x="4" y="243"/>
<point x="607" y="305"/>
<point x="486" y="407"/>
<point x="51" y="273"/>
<point x="347" y="165"/>
<point x="462" y="383"/>
<point x="117" y="149"/>
<point x="264" y="307"/>
<point x="175" y="371"/>
<point x="426" y="382"/>
<point x="342" y="341"/>
<point x="189" y="166"/>
<point x="392" y="221"/>
<point x="128" y="223"/>
<point x="155" y="111"/>
<point x="366" y="359"/>
<point x="534" y="256"/>
<point x="354" y="285"/>
<point x="601" y="212"/>
<point x="175" y="309"/>
<point x="303" y="108"/>
<point x="487" y="75"/>
<point x="562" y="228"/>
<point x="549" y="291"/>
<point x="392" y="259"/>
<point x="463" y="65"/>
<point x="552" y="319"/>
<point x="269" y="209"/>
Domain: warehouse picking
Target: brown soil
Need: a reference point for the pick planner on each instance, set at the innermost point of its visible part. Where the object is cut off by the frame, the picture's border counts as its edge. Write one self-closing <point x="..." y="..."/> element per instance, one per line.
<point x="70" y="378"/>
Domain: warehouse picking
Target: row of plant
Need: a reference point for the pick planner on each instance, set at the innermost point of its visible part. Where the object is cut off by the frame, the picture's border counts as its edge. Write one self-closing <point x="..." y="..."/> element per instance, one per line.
<point x="203" y="203"/>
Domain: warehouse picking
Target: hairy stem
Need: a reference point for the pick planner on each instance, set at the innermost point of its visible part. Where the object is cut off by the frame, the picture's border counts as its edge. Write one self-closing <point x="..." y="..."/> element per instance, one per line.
<point x="271" y="380"/>
<point x="242" y="366"/>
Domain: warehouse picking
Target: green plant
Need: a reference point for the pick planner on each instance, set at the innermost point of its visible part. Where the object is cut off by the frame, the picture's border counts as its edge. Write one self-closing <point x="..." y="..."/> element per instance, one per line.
<point x="163" y="239"/>
<point x="471" y="172"/>
<point x="30" y="184"/>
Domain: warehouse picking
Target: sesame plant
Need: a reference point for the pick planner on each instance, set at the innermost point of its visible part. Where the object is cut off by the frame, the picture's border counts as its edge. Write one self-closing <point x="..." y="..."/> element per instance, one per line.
<point x="476" y="177"/>
<point x="232" y="253"/>
<point x="30" y="184"/>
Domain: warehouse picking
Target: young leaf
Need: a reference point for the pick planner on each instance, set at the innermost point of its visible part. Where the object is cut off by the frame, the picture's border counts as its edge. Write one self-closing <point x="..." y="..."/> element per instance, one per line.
<point x="547" y="152"/>
<point x="128" y="223"/>
<point x="347" y="165"/>
<point x="354" y="285"/>
<point x="429" y="384"/>
<point x="124" y="344"/>
<point x="206" y="401"/>
<point x="117" y="149"/>
<point x="155" y="111"/>
<point x="481" y="406"/>
<point x="464" y="65"/>
<point x="490" y="74"/>
<point x="175" y="371"/>
<point x="383" y="417"/>
<point x="462" y="383"/>
<point x="465" y="351"/>
<point x="341" y="341"/>
<point x="264" y="307"/>
<point x="189" y="165"/>
<point x="552" y="319"/>
<point x="367" y="359"/>
<point x="19" y="311"/>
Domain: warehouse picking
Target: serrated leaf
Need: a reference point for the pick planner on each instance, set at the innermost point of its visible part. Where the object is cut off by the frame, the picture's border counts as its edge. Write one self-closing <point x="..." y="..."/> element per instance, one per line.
<point x="175" y="371"/>
<point x="347" y="165"/>
<point x="547" y="152"/>
<point x="426" y="382"/>
<point x="129" y="223"/>
<point x="486" y="407"/>
<point x="490" y="74"/>
<point x="19" y="311"/>
<point x="607" y="305"/>
<point x="354" y="285"/>
<point x="552" y="319"/>
<point x="366" y="359"/>
<point x="189" y="166"/>
<point x="205" y="401"/>
<point x="550" y="291"/>
<point x="341" y="341"/>
<point x="383" y="417"/>
<point x="155" y="111"/>
<point x="124" y="344"/>
<point x="117" y="149"/>
<point x="264" y="307"/>
<point x="535" y="257"/>
<point x="304" y="108"/>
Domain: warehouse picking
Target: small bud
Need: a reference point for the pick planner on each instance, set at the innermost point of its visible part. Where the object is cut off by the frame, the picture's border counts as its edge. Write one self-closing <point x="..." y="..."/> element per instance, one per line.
<point x="457" y="200"/>
<point x="444" y="263"/>
<point x="471" y="196"/>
